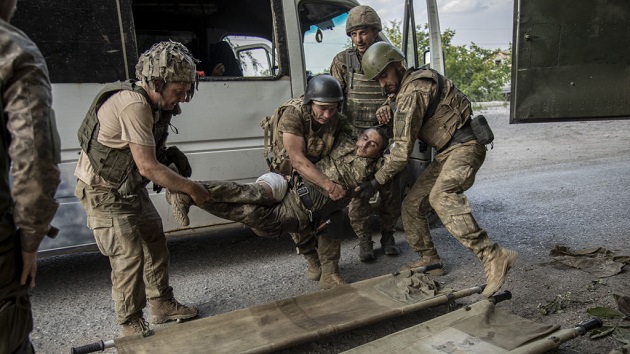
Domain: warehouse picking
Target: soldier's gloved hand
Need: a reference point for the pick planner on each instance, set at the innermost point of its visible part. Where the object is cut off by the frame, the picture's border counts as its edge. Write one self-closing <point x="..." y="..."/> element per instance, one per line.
<point x="368" y="189"/>
<point x="180" y="160"/>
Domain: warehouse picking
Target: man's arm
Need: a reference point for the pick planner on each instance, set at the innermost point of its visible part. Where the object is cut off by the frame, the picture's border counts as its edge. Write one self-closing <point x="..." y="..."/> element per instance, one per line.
<point x="296" y="149"/>
<point x="150" y="168"/>
<point x="34" y="149"/>
<point x="407" y="123"/>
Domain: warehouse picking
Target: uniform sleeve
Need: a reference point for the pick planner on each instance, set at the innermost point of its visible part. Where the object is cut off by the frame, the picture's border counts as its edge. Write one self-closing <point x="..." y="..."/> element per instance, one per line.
<point x="35" y="147"/>
<point x="338" y="69"/>
<point x="291" y="122"/>
<point x="410" y="109"/>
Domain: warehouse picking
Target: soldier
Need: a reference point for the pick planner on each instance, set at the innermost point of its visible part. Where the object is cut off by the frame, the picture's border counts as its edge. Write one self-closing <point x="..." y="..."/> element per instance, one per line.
<point x="432" y="109"/>
<point x="307" y="131"/>
<point x="266" y="206"/>
<point x="29" y="147"/>
<point x="364" y="106"/>
<point x="122" y="137"/>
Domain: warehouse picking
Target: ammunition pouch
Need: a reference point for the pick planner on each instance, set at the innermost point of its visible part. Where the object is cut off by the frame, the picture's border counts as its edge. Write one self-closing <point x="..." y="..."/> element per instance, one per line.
<point x="481" y="129"/>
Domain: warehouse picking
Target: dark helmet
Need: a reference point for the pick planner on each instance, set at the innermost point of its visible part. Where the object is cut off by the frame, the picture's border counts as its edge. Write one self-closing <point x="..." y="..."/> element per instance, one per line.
<point x="378" y="56"/>
<point x="323" y="88"/>
<point x="362" y="17"/>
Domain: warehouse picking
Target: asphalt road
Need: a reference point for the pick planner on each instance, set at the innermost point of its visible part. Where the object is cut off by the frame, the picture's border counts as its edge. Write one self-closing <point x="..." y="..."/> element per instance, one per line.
<point x="541" y="185"/>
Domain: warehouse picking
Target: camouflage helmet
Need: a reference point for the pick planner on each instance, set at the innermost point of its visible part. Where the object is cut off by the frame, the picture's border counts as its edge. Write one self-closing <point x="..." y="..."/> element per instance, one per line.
<point x="168" y="61"/>
<point x="323" y="88"/>
<point x="378" y="56"/>
<point x="362" y="16"/>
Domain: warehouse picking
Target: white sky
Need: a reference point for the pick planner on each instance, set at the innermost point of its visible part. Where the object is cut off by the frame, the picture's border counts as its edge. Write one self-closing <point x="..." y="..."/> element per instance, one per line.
<point x="487" y="23"/>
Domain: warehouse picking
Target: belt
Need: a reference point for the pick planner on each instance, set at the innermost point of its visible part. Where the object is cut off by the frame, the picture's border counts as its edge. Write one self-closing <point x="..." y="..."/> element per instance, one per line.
<point x="461" y="135"/>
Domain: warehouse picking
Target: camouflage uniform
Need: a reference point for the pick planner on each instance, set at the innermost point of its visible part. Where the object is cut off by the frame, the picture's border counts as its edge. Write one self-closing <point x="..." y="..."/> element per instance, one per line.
<point x="453" y="171"/>
<point x="298" y="119"/>
<point x="363" y="98"/>
<point x="31" y="143"/>
<point x="248" y="203"/>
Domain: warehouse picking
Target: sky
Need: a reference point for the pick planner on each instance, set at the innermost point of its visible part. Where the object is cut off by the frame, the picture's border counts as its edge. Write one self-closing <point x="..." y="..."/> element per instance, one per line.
<point x="487" y="23"/>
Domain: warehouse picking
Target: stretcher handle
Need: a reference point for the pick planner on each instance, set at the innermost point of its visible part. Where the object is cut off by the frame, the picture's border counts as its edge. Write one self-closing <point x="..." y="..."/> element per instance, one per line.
<point x="589" y="325"/>
<point x="93" y="347"/>
<point x="502" y="296"/>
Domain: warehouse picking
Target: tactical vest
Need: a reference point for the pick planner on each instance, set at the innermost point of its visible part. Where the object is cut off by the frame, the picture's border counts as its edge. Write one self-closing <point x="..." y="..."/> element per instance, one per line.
<point x="363" y="96"/>
<point x="114" y="165"/>
<point x="318" y="143"/>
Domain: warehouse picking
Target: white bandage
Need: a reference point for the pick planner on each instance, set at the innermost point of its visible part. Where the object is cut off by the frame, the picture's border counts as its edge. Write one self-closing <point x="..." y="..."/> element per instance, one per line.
<point x="276" y="182"/>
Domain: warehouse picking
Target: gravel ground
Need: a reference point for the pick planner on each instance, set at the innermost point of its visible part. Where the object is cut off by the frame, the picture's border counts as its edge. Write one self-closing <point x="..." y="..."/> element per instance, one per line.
<point x="541" y="185"/>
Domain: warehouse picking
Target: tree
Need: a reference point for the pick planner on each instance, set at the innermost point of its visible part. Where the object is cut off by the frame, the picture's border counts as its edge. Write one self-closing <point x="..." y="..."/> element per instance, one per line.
<point x="471" y="68"/>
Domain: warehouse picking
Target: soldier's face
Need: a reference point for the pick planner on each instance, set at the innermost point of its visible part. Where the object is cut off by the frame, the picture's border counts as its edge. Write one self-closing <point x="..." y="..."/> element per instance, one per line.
<point x="323" y="112"/>
<point x="363" y="38"/>
<point x="388" y="79"/>
<point x="172" y="94"/>
<point x="369" y="144"/>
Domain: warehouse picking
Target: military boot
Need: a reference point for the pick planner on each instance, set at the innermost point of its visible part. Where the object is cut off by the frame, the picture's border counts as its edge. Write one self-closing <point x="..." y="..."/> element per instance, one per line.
<point x="313" y="268"/>
<point x="180" y="202"/>
<point x="496" y="264"/>
<point x="136" y="325"/>
<point x="425" y="261"/>
<point x="170" y="310"/>
<point x="330" y="276"/>
<point x="366" y="248"/>
<point x="389" y="244"/>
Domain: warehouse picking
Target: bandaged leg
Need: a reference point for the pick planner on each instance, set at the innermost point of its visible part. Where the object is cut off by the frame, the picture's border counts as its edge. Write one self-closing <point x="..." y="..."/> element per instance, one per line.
<point x="274" y="184"/>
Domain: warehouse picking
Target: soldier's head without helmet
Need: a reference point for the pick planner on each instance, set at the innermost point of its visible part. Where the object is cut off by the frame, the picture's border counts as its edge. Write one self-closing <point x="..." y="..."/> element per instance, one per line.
<point x="386" y="64"/>
<point x="324" y="94"/>
<point x="362" y="26"/>
<point x="371" y="142"/>
<point x="168" y="66"/>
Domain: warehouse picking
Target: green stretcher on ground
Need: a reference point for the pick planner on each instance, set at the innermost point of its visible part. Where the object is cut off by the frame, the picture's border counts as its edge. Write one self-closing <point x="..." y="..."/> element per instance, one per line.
<point x="289" y="322"/>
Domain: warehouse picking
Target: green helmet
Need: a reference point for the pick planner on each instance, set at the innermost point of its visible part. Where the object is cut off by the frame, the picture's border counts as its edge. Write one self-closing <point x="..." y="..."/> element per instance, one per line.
<point x="378" y="56"/>
<point x="168" y="61"/>
<point x="362" y="16"/>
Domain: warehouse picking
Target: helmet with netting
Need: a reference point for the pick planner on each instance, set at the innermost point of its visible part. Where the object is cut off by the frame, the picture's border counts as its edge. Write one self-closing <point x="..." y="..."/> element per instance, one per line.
<point x="323" y="88"/>
<point x="378" y="56"/>
<point x="168" y="61"/>
<point x="362" y="17"/>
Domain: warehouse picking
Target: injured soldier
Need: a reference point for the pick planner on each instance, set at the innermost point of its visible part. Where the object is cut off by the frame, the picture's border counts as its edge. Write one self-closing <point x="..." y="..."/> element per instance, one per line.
<point x="272" y="206"/>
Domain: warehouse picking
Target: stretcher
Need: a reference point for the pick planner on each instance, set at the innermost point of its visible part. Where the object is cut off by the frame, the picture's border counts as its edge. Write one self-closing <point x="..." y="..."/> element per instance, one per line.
<point x="297" y="320"/>
<point x="479" y="328"/>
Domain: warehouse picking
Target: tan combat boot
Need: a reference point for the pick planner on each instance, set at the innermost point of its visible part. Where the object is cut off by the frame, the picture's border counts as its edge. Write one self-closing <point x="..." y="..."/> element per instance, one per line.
<point x="330" y="276"/>
<point x="313" y="268"/>
<point x="136" y="325"/>
<point x="170" y="310"/>
<point x="388" y="243"/>
<point x="180" y="202"/>
<point x="366" y="248"/>
<point x="496" y="265"/>
<point x="425" y="261"/>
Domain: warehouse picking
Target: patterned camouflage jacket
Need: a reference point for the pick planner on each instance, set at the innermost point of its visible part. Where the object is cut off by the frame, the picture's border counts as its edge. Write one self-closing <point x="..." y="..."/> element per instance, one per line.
<point x="417" y="89"/>
<point x="28" y="122"/>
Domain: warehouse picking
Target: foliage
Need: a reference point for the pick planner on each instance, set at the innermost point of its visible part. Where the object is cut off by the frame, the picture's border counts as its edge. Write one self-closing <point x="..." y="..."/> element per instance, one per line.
<point x="472" y="68"/>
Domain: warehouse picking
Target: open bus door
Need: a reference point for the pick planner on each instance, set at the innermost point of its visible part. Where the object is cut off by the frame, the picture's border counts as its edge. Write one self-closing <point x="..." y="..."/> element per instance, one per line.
<point x="570" y="60"/>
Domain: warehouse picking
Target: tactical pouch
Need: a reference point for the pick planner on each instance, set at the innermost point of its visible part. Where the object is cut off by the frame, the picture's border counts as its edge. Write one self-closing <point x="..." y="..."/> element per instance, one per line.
<point x="482" y="130"/>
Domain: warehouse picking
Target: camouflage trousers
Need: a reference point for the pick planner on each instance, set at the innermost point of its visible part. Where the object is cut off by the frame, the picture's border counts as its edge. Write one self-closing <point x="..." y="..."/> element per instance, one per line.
<point x="249" y="205"/>
<point x="360" y="209"/>
<point x="128" y="230"/>
<point x="441" y="187"/>
<point x="16" y="320"/>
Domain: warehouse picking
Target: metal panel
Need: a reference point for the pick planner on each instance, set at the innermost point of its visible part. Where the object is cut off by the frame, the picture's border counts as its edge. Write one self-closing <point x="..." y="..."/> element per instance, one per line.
<point x="571" y="60"/>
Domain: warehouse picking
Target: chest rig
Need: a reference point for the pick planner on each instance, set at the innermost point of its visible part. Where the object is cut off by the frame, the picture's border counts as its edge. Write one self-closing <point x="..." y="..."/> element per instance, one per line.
<point x="363" y="96"/>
